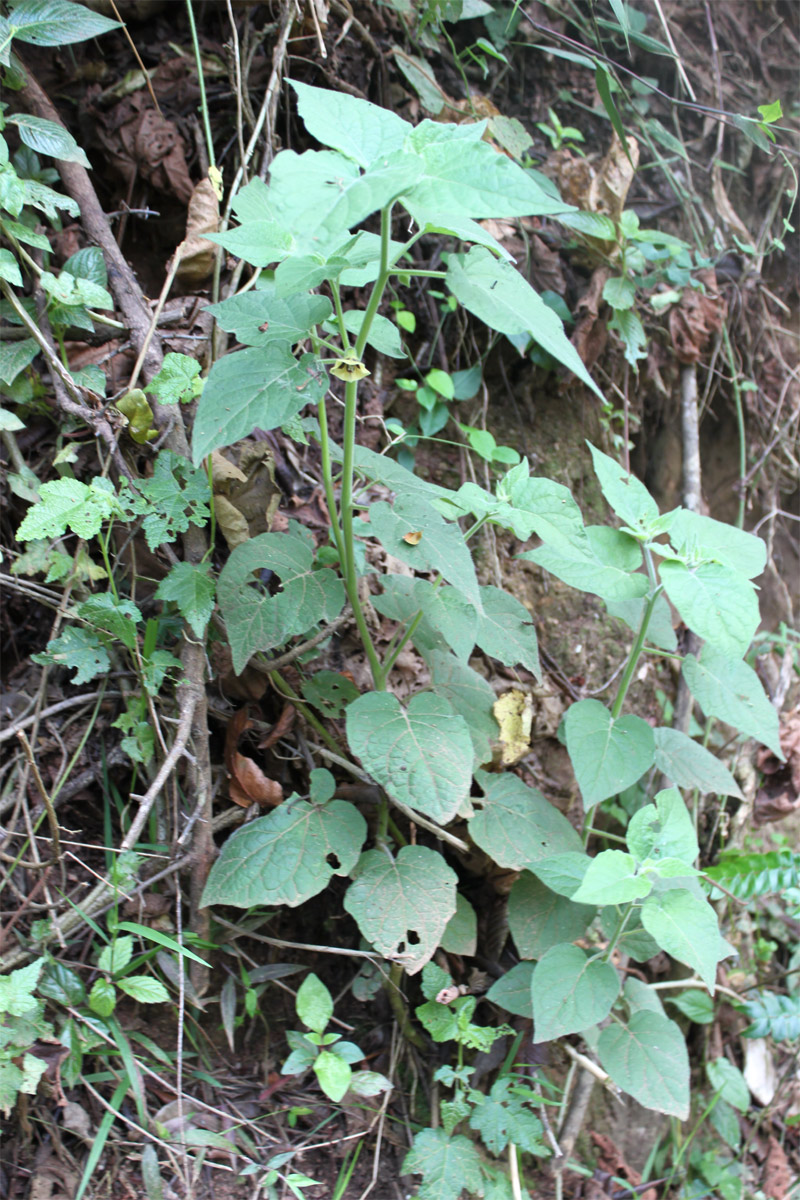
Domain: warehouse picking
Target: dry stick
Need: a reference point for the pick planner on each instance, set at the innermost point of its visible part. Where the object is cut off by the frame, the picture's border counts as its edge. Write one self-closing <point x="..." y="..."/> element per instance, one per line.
<point x="73" y="702"/>
<point x="692" y="499"/>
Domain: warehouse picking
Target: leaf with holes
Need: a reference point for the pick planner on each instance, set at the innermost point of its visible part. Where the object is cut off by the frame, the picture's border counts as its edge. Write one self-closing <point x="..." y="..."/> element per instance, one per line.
<point x="647" y="1058"/>
<point x="402" y="905"/>
<point x="516" y="825"/>
<point x="607" y="755"/>
<point x="421" y="755"/>
<point x="287" y="856"/>
<point x="257" y="621"/>
<point x="570" y="992"/>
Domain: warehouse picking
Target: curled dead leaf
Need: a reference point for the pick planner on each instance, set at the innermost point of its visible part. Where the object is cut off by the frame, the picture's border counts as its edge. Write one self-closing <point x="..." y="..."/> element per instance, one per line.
<point x="413" y="538"/>
<point x="699" y="316"/>
<point x="196" y="252"/>
<point x="248" y="784"/>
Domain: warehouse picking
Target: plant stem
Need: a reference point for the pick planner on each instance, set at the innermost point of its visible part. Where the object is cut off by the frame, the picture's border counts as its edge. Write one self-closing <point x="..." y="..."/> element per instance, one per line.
<point x="737" y="400"/>
<point x="202" y="85"/>
<point x="280" y="685"/>
<point x="397" y="1001"/>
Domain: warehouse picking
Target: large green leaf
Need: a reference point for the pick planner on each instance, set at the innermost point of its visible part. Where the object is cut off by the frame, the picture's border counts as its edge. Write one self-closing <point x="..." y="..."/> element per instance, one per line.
<point x="48" y="137"/>
<point x="57" y="22"/>
<point x="516" y="825"/>
<point x="730" y="690"/>
<point x="470" y="695"/>
<point x="540" y="919"/>
<point x="583" y="568"/>
<point x="256" y="388"/>
<point x="611" y="879"/>
<point x="506" y="632"/>
<point x="354" y="127"/>
<point x="647" y="1058"/>
<point x="260" y="317"/>
<point x="461" y="934"/>
<point x="607" y="755"/>
<point x="686" y="927"/>
<point x="496" y="292"/>
<point x="421" y="755"/>
<point x="700" y="537"/>
<point x="470" y="179"/>
<point x="257" y="621"/>
<point x="689" y="765"/>
<point x="450" y="614"/>
<point x="441" y="548"/>
<point x="287" y="856"/>
<point x="715" y="601"/>
<point x="447" y="1165"/>
<point x="512" y="991"/>
<point x="570" y="992"/>
<point x="662" y="830"/>
<point x="392" y="475"/>
<point x="628" y="497"/>
<point x="548" y="507"/>
<point x="403" y="904"/>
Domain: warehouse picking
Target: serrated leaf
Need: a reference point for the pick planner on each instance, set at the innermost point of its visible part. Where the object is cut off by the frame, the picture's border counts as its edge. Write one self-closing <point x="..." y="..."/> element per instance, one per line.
<point x="79" y="649"/>
<point x="57" y="22"/>
<point x="118" y="617"/>
<point x="16" y="989"/>
<point x="143" y="988"/>
<point x="256" y="388"/>
<point x="190" y="586"/>
<point x="502" y="1117"/>
<point x="540" y="919"/>
<point x="516" y="825"/>
<point x="257" y="621"/>
<point x="469" y="695"/>
<point x="116" y="955"/>
<point x="496" y="293"/>
<point x="174" y="497"/>
<point x="461" y="934"/>
<point x="421" y="755"/>
<point x="716" y="602"/>
<point x="448" y="1165"/>
<point x="731" y="690"/>
<point x="627" y="495"/>
<point x="441" y="548"/>
<point x="630" y="330"/>
<point x="287" y="856"/>
<point x="403" y="905"/>
<point x="686" y="927"/>
<point x="607" y="755"/>
<point x="689" y="765"/>
<point x="663" y="830"/>
<point x="647" y="1058"/>
<point x="178" y="379"/>
<point x="69" y="504"/>
<point x="102" y="997"/>
<point x="48" y="137"/>
<point x="570" y="992"/>
<point x="611" y="879"/>
<point x="260" y="317"/>
<point x="506" y="631"/>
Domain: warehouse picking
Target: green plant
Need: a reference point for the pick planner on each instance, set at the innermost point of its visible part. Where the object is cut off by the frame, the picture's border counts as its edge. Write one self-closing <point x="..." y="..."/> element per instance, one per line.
<point x="326" y="1054"/>
<point x="557" y="134"/>
<point x="426" y="753"/>
<point x="22" y="1025"/>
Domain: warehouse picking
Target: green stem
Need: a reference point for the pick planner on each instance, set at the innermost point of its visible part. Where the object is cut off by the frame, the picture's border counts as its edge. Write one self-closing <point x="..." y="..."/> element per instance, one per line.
<point x="327" y="479"/>
<point x="397" y="1001"/>
<point x="202" y="85"/>
<point x="618" y="932"/>
<point x="337" y="303"/>
<point x="280" y="685"/>
<point x="414" y="274"/>
<point x="393" y="654"/>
